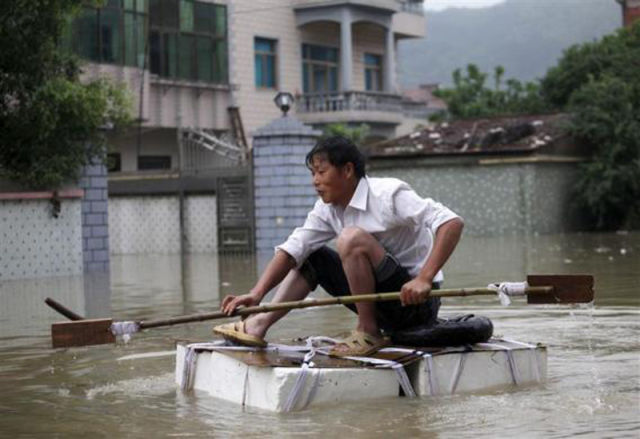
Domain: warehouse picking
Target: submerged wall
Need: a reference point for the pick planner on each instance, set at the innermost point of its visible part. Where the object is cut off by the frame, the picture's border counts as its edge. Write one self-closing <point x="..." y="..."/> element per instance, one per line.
<point x="151" y="224"/>
<point x="494" y="196"/>
<point x="39" y="238"/>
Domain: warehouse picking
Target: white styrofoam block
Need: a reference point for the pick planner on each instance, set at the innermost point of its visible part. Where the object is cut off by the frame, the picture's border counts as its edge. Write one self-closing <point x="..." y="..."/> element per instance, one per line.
<point x="480" y="370"/>
<point x="269" y="387"/>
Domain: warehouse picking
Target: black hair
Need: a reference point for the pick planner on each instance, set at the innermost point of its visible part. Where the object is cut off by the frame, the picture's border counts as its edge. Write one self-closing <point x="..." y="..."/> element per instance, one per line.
<point x="338" y="151"/>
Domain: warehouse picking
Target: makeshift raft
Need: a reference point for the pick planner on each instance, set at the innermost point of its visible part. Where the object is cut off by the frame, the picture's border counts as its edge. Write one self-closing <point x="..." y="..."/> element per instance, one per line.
<point x="282" y="378"/>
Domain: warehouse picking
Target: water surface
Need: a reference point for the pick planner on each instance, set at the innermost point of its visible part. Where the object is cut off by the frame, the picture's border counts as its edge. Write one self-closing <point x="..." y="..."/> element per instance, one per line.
<point x="593" y="387"/>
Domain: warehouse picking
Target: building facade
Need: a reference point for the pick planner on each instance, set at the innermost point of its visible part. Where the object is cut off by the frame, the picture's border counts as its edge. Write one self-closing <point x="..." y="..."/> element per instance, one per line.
<point x="199" y="64"/>
<point x="630" y="11"/>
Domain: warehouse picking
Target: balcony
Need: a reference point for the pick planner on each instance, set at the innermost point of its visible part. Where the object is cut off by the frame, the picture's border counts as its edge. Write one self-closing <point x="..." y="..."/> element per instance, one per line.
<point x="409" y="21"/>
<point x="350" y="106"/>
<point x="412" y="6"/>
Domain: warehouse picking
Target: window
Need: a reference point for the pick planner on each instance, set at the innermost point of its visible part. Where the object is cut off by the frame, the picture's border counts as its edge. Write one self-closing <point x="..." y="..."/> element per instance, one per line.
<point x="147" y="162"/>
<point x="319" y="69"/>
<point x="372" y="72"/>
<point x="265" y="62"/>
<point x="188" y="40"/>
<point x="114" y="162"/>
<point x="114" y="33"/>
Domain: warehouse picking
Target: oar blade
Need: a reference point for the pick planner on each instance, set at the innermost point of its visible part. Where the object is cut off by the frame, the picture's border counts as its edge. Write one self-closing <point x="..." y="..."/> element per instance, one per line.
<point x="82" y="333"/>
<point x="567" y="288"/>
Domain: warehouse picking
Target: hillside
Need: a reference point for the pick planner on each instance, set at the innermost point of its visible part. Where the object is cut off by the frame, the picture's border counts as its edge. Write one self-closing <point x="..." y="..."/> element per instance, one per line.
<point x="524" y="36"/>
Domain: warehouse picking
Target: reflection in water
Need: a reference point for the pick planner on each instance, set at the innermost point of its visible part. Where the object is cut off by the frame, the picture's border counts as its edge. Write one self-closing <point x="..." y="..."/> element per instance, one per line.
<point x="128" y="389"/>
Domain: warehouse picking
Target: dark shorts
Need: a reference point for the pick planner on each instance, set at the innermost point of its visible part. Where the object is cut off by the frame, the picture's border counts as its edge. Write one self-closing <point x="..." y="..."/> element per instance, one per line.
<point x="324" y="267"/>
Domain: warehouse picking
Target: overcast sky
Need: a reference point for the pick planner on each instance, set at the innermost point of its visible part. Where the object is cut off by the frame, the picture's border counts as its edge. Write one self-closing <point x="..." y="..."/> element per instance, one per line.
<point x="438" y="5"/>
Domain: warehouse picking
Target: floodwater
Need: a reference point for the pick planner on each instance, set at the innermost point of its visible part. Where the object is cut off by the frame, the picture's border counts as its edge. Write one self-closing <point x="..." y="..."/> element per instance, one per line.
<point x="593" y="387"/>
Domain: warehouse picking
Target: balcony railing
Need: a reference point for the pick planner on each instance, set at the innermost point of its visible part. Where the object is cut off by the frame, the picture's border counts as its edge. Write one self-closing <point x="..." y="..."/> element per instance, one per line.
<point x="348" y="101"/>
<point x="412" y="6"/>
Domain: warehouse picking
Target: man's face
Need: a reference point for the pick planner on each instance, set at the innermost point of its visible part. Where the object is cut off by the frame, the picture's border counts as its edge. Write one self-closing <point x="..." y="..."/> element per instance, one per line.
<point x="334" y="185"/>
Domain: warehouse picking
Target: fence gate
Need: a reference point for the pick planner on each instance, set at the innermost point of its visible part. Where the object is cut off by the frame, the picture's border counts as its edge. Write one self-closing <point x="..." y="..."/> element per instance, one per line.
<point x="204" y="155"/>
<point x="235" y="212"/>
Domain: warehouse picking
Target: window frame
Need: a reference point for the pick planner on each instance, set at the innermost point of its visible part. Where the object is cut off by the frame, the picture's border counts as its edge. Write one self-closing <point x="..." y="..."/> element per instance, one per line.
<point x="98" y="17"/>
<point x="376" y="70"/>
<point x="162" y="30"/>
<point x="264" y="56"/>
<point x="310" y="64"/>
<point x="148" y="35"/>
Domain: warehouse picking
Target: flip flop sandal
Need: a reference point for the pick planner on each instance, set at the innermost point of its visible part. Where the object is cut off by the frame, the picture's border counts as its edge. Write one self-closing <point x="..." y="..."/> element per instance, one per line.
<point x="237" y="333"/>
<point x="360" y="344"/>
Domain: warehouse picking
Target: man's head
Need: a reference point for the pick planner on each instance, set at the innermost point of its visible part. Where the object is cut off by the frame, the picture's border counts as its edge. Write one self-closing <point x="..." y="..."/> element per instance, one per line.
<point x="338" y="151"/>
<point x="336" y="165"/>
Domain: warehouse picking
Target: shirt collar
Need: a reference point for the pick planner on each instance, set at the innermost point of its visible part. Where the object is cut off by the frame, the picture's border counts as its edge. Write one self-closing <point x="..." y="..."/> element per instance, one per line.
<point x="359" y="198"/>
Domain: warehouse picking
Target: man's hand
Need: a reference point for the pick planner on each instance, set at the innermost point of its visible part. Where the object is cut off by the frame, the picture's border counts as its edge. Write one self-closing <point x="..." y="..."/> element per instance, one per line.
<point x="415" y="291"/>
<point x="230" y="303"/>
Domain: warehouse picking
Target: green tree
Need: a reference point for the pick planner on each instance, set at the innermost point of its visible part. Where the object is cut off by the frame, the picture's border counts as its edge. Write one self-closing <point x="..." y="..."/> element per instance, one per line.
<point x="357" y="134"/>
<point x="470" y="97"/>
<point x="599" y="83"/>
<point x="607" y="119"/>
<point x="616" y="55"/>
<point x="50" y="121"/>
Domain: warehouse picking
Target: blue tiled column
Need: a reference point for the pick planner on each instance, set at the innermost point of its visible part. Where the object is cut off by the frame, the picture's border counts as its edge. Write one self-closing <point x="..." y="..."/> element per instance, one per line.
<point x="283" y="193"/>
<point x="95" y="220"/>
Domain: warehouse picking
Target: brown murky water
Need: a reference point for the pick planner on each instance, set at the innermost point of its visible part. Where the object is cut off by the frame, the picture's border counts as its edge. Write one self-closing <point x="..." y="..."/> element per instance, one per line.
<point x="128" y="390"/>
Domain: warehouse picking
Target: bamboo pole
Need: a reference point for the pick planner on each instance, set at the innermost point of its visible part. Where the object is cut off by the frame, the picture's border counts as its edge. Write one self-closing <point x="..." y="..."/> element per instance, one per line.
<point x="343" y="300"/>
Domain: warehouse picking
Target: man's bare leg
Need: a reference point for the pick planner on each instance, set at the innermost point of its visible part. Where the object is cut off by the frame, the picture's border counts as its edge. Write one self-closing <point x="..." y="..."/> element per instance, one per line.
<point x="293" y="287"/>
<point x="360" y="252"/>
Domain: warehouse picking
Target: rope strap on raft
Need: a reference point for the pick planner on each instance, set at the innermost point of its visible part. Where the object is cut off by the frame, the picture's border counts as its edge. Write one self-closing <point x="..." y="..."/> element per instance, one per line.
<point x="511" y="361"/>
<point x="307" y="367"/>
<point x="505" y="290"/>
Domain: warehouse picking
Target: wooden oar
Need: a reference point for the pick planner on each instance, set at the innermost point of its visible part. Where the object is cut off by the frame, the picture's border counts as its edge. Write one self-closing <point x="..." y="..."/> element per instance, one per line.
<point x="63" y="309"/>
<point x="550" y="289"/>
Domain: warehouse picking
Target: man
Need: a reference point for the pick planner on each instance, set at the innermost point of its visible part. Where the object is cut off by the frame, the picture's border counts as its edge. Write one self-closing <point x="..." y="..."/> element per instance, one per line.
<point x="388" y="239"/>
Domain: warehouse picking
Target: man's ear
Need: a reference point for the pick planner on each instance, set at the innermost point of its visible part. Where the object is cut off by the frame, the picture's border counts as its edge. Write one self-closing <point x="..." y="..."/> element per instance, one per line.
<point x="349" y="169"/>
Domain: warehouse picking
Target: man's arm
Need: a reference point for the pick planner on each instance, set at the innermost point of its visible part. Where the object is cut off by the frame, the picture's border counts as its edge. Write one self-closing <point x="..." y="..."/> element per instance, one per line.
<point x="279" y="266"/>
<point x="447" y="236"/>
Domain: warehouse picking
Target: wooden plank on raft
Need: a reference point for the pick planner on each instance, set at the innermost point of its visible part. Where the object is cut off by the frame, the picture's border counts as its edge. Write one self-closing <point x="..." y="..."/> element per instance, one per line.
<point x="572" y="288"/>
<point x="82" y="333"/>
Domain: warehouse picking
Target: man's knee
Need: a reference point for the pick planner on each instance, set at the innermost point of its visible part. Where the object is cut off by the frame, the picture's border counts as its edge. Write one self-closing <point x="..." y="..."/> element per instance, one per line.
<point x="354" y="240"/>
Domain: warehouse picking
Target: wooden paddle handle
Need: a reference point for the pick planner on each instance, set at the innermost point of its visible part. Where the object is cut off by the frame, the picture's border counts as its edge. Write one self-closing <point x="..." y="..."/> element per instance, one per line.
<point x="342" y="300"/>
<point x="62" y="309"/>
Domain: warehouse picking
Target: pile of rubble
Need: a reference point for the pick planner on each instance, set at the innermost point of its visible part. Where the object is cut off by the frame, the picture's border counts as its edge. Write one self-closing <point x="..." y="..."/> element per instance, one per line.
<point x="504" y="134"/>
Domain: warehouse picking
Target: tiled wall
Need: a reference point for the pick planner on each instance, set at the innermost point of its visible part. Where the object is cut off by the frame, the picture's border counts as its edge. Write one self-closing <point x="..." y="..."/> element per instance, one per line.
<point x="95" y="219"/>
<point x="151" y="224"/>
<point x="283" y="192"/>
<point x="201" y="224"/>
<point x="34" y="244"/>
<point x="497" y="199"/>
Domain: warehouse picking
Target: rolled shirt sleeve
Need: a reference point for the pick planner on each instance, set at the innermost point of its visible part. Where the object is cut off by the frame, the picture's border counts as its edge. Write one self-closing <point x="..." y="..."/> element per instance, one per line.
<point x="315" y="232"/>
<point x="409" y="207"/>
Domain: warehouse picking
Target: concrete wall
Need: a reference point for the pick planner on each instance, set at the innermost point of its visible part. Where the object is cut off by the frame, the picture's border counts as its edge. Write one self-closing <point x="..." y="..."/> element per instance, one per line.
<point x="151" y="224"/>
<point x="246" y="21"/>
<point x="495" y="198"/>
<point x="367" y="38"/>
<point x="166" y="101"/>
<point x="157" y="141"/>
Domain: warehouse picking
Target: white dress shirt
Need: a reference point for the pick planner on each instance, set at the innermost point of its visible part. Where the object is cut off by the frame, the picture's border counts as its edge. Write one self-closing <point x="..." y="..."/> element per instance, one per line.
<point x="403" y="222"/>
